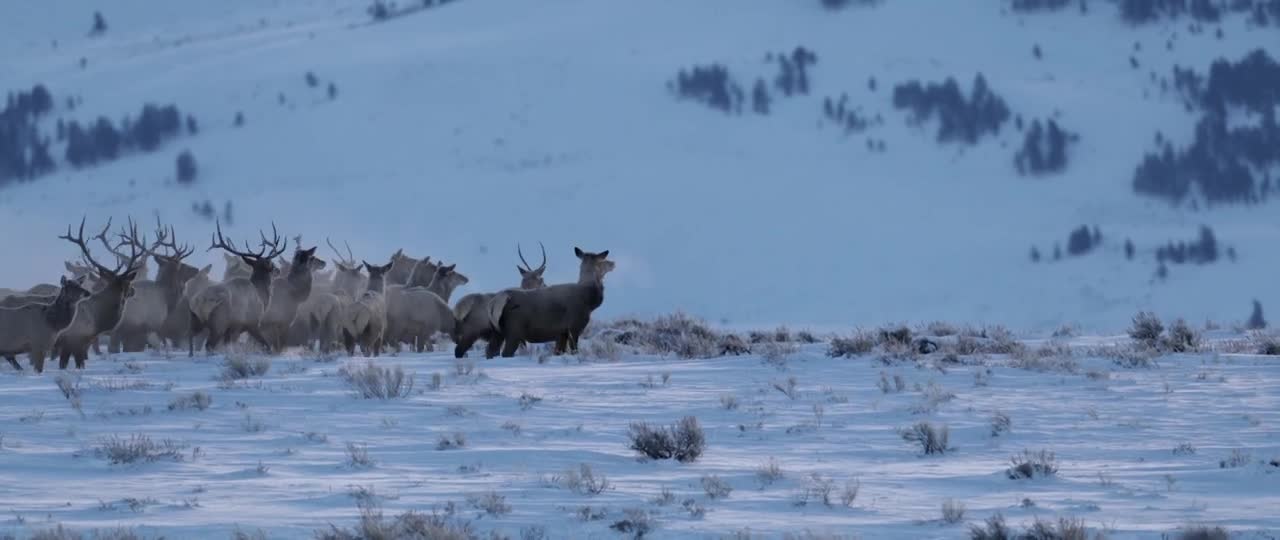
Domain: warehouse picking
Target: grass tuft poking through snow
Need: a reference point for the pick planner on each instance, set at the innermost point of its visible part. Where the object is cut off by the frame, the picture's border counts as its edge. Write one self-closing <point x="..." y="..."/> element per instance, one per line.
<point x="369" y="381"/>
<point x="238" y="366"/>
<point x="952" y="511"/>
<point x="138" y="448"/>
<point x="1030" y="464"/>
<point x="373" y="524"/>
<point x="198" y="400"/>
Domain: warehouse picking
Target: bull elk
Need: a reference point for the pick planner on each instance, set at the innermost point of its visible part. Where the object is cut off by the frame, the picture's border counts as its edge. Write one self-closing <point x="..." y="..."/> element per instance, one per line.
<point x="471" y="315"/>
<point x="234" y="307"/>
<point x="557" y="313"/>
<point x="32" y="328"/>
<point x="287" y="293"/>
<point x="102" y="310"/>
<point x="153" y="307"/>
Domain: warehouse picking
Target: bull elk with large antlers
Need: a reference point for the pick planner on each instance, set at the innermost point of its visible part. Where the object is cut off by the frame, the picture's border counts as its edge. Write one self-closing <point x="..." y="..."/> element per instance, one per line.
<point x="234" y="307"/>
<point x="102" y="310"/>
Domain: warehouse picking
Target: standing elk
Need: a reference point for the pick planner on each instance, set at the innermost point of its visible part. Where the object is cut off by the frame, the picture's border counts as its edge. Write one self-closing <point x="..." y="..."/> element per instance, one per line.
<point x="557" y="313"/>
<point x="102" y="310"/>
<point x="365" y="320"/>
<point x="416" y="314"/>
<point x="287" y="293"/>
<point x="153" y="306"/>
<point x="471" y="315"/>
<point x="234" y="307"/>
<point x="32" y="328"/>
<point x="401" y="268"/>
<point x="319" y="317"/>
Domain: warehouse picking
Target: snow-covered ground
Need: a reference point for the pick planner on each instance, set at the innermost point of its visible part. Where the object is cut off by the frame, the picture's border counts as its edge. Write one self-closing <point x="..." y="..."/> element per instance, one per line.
<point x="459" y="131"/>
<point x="1140" y="451"/>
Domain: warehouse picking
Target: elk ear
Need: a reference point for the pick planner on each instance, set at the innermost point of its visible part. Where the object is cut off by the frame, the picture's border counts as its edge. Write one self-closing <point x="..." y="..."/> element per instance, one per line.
<point x="207" y="268"/>
<point x="539" y="272"/>
<point x="523" y="272"/>
<point x="68" y="266"/>
<point x="578" y="252"/>
<point x="603" y="254"/>
<point x="62" y="281"/>
<point x="399" y="253"/>
<point x="450" y="267"/>
<point x="387" y="267"/>
<point x="311" y="253"/>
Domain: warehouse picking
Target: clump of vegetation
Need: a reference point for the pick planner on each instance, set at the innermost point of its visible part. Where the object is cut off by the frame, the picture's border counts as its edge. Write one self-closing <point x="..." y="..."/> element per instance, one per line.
<point x="1202" y="532"/>
<point x="960" y="118"/>
<point x="138" y="448"/>
<point x="683" y="442"/>
<point x="199" y="400"/>
<point x="186" y="167"/>
<point x="1146" y="328"/>
<point x="710" y="85"/>
<point x="932" y="440"/>
<point x="241" y="366"/>
<point x="372" y="382"/>
<point x="1030" y="464"/>
<point x="1044" y="149"/>
<point x="858" y="343"/>
<point x="411" y="524"/>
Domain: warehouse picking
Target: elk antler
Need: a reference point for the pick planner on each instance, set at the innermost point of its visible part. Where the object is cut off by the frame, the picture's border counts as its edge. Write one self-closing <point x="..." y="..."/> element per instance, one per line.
<point x="169" y="240"/>
<point x="349" y="260"/>
<point x="528" y="266"/>
<point x="270" y="249"/>
<point x="121" y="267"/>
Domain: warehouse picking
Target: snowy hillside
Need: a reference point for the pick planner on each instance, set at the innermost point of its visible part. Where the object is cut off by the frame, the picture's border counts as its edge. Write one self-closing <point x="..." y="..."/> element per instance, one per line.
<point x="461" y="130"/>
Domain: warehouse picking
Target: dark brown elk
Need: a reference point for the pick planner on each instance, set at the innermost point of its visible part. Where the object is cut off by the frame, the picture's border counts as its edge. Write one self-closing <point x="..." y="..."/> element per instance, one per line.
<point x="471" y="314"/>
<point x="557" y="313"/>
<point x="32" y="328"/>
<point x="234" y="307"/>
<point x="101" y="311"/>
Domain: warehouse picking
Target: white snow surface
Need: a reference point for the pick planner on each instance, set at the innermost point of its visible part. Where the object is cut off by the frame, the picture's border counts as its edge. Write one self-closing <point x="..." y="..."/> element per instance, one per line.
<point x="270" y="453"/>
<point x="460" y="131"/>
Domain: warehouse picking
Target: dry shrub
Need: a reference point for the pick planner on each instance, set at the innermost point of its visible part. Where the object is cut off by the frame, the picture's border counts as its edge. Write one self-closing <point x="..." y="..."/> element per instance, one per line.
<point x="858" y="343"/>
<point x="1181" y="338"/>
<point x="931" y="440"/>
<point x="1064" y="529"/>
<point x="715" y="487"/>
<point x="683" y="442"/>
<point x="138" y="448"/>
<point x="411" y="524"/>
<point x="1146" y="328"/>
<point x="1030" y="464"/>
<point x="372" y="382"/>
<point x="585" y="481"/>
<point x="952" y="511"/>
<point x="993" y="529"/>
<point x="238" y="366"/>
<point x="1202" y="532"/>
<point x="199" y="400"/>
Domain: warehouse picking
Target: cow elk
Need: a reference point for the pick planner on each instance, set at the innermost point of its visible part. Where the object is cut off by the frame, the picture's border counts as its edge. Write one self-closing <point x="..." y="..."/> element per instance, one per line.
<point x="471" y="315"/>
<point x="31" y="328"/>
<point x="557" y="313"/>
<point x="365" y="320"/>
<point x="416" y="314"/>
<point x="287" y="293"/>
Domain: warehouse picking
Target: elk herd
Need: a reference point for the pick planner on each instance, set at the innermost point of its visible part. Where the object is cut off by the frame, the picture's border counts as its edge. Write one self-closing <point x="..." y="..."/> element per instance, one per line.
<point x="278" y="302"/>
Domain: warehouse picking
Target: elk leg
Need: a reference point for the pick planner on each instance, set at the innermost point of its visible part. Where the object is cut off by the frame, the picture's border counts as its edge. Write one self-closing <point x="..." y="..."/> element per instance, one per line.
<point x="64" y="356"/>
<point x="573" y="342"/>
<point x="493" y="346"/>
<point x="562" y="343"/>
<point x="509" y="347"/>
<point x="13" y="360"/>
<point x="463" y="345"/>
<point x="37" y="361"/>
<point x="114" y="340"/>
<point x="82" y="354"/>
<point x="256" y="334"/>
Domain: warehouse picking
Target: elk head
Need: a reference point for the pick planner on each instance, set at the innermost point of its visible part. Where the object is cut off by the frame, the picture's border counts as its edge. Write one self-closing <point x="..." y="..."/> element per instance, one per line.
<point x="530" y="277"/>
<point x="376" y="273"/>
<point x="593" y="266"/>
<point x="259" y="261"/>
<point x="401" y="268"/>
<point x="446" y="279"/>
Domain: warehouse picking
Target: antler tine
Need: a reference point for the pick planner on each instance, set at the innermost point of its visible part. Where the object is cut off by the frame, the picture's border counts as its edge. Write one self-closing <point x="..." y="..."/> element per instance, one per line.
<point x="350" y="256"/>
<point x="78" y="240"/>
<point x="527" y="266"/>
<point x="544" y="257"/>
<point x="219" y="241"/>
<point x="275" y="245"/>
<point x="137" y="248"/>
<point x="335" y="250"/>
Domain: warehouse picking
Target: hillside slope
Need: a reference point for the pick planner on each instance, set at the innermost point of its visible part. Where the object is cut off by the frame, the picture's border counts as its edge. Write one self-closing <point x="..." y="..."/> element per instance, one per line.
<point x="461" y="130"/>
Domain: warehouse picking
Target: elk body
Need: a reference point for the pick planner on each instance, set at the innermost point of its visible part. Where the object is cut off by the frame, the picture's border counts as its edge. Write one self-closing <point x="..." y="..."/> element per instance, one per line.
<point x="287" y="293"/>
<point x="557" y="313"/>
<point x="365" y="319"/>
<point x="401" y="268"/>
<point x="234" y="307"/>
<point x="152" y="306"/>
<point x="471" y="315"/>
<point x="235" y="268"/>
<point x="31" y="328"/>
<point x="416" y="314"/>
<point x="102" y="310"/>
<point x="319" y="317"/>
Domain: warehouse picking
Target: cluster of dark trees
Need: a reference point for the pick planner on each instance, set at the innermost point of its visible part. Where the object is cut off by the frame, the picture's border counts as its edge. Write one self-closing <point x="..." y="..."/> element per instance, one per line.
<point x="851" y="118"/>
<point x="1203" y="250"/>
<point x="1039" y="5"/>
<point x="1081" y="241"/>
<point x="1261" y="12"/>
<point x="205" y="210"/>
<point x="381" y="10"/>
<point x="103" y="141"/>
<point x="1222" y="158"/>
<point x="24" y="154"/>
<point x="840" y="4"/>
<point x="713" y="86"/>
<point x="1044" y="149"/>
<point x="963" y="119"/>
<point x="793" y="71"/>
